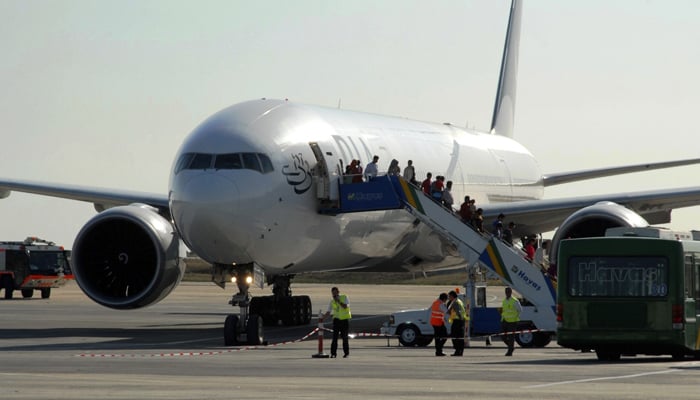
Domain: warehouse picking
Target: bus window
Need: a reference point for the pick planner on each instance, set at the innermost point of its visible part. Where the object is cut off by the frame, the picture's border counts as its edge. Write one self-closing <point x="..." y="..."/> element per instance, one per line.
<point x="696" y="268"/>
<point x="689" y="281"/>
<point x="613" y="276"/>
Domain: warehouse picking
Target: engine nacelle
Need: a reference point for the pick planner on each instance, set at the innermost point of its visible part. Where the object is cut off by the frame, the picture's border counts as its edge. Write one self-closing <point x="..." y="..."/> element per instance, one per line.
<point x="592" y="221"/>
<point x="127" y="257"/>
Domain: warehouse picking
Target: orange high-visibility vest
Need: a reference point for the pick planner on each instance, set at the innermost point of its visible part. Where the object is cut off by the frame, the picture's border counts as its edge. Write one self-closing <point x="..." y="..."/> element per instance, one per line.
<point x="437" y="316"/>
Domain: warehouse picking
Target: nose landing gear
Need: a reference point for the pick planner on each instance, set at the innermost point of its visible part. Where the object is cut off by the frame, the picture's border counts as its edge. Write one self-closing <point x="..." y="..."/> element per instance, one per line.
<point x="255" y="312"/>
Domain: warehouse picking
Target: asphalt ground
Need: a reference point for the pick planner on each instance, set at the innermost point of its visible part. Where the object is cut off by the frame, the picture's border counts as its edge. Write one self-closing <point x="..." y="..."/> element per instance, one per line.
<point x="68" y="347"/>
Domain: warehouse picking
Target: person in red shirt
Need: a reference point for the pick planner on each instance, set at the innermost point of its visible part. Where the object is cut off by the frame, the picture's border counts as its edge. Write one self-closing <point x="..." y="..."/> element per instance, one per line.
<point x="437" y="188"/>
<point x="465" y="211"/>
<point x="426" y="184"/>
<point x="530" y="249"/>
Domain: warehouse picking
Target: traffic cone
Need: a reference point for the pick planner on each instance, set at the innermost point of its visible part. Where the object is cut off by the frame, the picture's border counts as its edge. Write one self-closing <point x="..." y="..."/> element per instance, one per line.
<point x="319" y="332"/>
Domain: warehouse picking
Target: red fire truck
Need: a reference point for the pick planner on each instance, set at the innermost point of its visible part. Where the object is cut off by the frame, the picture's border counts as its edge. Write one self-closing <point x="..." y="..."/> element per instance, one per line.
<point x="33" y="264"/>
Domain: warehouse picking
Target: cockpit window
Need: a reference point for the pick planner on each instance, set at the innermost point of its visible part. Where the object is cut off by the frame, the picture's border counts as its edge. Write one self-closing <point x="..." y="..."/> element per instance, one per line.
<point x="255" y="161"/>
<point x="250" y="161"/>
<point x="266" y="163"/>
<point x="183" y="162"/>
<point x="201" y="161"/>
<point x="228" y="161"/>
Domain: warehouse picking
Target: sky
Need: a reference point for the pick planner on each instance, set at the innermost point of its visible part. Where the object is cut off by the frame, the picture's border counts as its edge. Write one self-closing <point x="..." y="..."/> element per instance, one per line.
<point x="102" y="93"/>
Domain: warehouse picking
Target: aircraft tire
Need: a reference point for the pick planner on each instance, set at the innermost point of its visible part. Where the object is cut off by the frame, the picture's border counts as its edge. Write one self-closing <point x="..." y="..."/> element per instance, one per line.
<point x="46" y="293"/>
<point x="306" y="310"/>
<point x="254" y="330"/>
<point x="27" y="293"/>
<point x="231" y="330"/>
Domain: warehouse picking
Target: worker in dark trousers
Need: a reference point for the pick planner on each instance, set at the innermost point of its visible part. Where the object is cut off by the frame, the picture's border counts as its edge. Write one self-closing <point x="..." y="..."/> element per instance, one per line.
<point x="340" y="308"/>
<point x="458" y="315"/>
<point x="510" y="315"/>
<point x="438" y="311"/>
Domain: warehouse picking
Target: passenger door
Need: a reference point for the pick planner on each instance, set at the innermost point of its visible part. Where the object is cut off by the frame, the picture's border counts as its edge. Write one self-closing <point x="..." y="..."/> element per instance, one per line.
<point x="326" y="171"/>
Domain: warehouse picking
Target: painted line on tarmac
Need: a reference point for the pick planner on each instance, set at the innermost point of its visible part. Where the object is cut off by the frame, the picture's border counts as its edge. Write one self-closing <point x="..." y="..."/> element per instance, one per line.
<point x="606" y="378"/>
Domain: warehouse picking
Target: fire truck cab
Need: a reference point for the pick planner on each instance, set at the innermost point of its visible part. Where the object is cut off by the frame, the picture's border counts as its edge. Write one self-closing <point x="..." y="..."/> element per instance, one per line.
<point x="33" y="264"/>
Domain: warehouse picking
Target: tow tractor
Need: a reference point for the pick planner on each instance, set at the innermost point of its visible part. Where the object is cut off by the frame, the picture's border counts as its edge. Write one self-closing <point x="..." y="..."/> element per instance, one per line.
<point x="33" y="264"/>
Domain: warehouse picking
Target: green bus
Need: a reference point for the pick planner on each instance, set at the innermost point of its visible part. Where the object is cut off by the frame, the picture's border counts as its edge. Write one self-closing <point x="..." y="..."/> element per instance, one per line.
<point x="634" y="291"/>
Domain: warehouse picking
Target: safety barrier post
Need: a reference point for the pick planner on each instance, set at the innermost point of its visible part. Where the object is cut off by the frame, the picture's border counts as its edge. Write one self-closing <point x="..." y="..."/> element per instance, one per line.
<point x="467" y="336"/>
<point x="319" y="332"/>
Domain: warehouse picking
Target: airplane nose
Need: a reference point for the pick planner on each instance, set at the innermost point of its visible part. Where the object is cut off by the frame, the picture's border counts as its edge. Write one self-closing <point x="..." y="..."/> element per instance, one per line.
<point x="204" y="208"/>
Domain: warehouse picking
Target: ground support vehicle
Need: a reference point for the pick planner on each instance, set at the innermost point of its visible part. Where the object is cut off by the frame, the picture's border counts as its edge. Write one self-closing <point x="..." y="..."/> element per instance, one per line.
<point x="33" y="264"/>
<point x="634" y="291"/>
<point x="412" y="327"/>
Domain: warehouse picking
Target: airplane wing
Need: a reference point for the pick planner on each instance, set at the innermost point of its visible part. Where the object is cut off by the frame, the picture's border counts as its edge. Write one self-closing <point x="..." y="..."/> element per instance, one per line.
<point x="574" y="176"/>
<point x="545" y="215"/>
<point x="100" y="197"/>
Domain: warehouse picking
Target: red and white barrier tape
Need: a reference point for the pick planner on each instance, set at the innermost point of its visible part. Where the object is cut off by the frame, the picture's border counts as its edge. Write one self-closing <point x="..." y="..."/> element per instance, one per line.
<point x="513" y="332"/>
<point x="361" y="334"/>
<point x="194" y="353"/>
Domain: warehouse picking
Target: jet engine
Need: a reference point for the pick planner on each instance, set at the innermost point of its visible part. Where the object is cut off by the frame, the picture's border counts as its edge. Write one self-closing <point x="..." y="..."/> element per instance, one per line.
<point x="592" y="221"/>
<point x="127" y="257"/>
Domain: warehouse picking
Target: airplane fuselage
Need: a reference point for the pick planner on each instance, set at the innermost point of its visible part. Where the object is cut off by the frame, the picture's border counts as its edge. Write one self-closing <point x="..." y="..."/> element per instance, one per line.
<point x="242" y="188"/>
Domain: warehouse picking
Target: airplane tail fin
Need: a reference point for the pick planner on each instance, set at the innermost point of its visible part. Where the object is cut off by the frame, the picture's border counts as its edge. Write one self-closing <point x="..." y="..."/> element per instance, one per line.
<point x="504" y="109"/>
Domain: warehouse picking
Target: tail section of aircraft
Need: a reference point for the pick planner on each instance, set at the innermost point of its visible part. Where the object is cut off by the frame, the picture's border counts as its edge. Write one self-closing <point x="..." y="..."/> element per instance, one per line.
<point x="504" y="107"/>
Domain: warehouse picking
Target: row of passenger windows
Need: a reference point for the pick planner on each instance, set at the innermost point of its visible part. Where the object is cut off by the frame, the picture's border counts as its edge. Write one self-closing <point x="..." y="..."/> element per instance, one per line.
<point x="256" y="161"/>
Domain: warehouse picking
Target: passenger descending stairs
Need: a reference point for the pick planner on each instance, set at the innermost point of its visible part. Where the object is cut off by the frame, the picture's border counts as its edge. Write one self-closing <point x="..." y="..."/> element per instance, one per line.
<point x="392" y="192"/>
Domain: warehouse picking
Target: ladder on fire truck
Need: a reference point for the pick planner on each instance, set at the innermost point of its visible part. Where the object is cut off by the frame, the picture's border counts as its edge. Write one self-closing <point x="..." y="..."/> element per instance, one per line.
<point x="393" y="192"/>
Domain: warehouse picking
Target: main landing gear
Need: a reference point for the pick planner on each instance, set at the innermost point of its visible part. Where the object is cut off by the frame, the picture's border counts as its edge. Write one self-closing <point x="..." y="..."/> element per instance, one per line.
<point x="256" y="312"/>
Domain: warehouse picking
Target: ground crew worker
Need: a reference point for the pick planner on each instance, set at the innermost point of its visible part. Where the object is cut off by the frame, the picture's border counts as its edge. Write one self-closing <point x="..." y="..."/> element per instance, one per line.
<point x="340" y="308"/>
<point x="510" y="315"/>
<point x="438" y="311"/>
<point x="457" y="317"/>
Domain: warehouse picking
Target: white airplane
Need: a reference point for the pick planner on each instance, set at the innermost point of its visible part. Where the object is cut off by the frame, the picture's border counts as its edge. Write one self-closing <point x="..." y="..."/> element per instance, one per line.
<point x="247" y="185"/>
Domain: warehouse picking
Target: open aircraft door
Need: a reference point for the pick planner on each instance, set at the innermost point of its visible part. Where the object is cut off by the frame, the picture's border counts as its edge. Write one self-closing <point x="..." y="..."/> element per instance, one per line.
<point x="326" y="172"/>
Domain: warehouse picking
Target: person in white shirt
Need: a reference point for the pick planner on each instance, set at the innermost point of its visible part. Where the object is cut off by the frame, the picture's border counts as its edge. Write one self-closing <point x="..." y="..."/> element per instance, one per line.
<point x="409" y="173"/>
<point x="447" y="198"/>
<point x="541" y="257"/>
<point x="371" y="169"/>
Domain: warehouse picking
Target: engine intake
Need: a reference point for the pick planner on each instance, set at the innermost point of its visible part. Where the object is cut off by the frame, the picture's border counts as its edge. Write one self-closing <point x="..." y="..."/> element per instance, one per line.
<point x="592" y="221"/>
<point x="127" y="257"/>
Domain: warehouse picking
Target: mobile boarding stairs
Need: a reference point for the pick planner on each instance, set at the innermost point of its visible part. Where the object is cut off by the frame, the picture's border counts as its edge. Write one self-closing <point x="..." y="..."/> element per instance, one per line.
<point x="394" y="192"/>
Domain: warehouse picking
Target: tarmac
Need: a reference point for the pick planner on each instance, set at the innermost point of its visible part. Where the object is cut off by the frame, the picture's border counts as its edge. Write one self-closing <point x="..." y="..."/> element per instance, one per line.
<point x="68" y="347"/>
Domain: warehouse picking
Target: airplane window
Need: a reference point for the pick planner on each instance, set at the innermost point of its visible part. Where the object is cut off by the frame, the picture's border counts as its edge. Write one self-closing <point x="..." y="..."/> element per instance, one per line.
<point x="250" y="161"/>
<point x="201" y="161"/>
<point x="183" y="162"/>
<point x="228" y="161"/>
<point x="266" y="163"/>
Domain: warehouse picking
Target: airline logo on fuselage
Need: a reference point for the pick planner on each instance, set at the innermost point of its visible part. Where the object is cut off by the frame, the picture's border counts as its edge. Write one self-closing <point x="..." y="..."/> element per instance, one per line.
<point x="298" y="174"/>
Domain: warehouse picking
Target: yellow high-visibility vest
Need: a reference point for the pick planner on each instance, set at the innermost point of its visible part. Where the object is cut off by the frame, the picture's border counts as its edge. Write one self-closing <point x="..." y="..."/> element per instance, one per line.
<point x="340" y="312"/>
<point x="460" y="310"/>
<point x="510" y="312"/>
